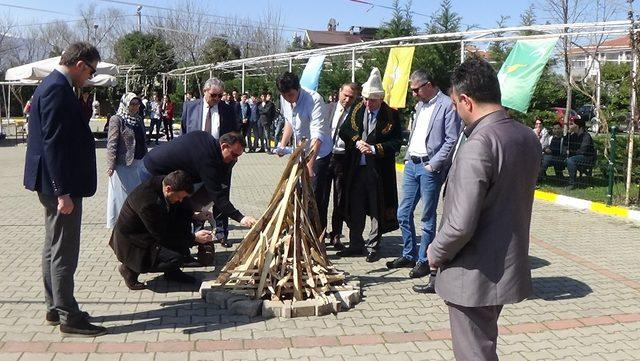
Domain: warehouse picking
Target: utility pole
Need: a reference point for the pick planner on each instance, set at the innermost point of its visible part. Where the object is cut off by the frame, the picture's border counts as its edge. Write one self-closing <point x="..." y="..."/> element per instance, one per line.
<point x="139" y="13"/>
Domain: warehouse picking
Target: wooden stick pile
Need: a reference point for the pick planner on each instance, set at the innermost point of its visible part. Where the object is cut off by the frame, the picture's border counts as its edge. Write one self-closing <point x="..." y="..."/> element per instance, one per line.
<point x="283" y="256"/>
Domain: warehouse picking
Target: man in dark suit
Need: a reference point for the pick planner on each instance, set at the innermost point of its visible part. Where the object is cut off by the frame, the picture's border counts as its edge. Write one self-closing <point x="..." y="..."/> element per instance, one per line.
<point x="482" y="246"/>
<point x="153" y="232"/>
<point x="207" y="161"/>
<point x="217" y="118"/>
<point x="267" y="111"/>
<point x="61" y="166"/>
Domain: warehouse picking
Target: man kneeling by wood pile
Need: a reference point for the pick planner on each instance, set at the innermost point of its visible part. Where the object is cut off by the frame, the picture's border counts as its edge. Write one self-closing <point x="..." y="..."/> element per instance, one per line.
<point x="153" y="231"/>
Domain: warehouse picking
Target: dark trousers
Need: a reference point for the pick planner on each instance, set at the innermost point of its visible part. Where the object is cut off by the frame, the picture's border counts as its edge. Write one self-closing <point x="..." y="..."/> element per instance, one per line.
<point x="244" y="129"/>
<point x="335" y="177"/>
<point x="60" y="255"/>
<point x="168" y="128"/>
<point x="474" y="332"/>
<point x="322" y="187"/>
<point x="549" y="160"/>
<point x="265" y="136"/>
<point x="168" y="259"/>
<point x="363" y="199"/>
<point x="155" y="123"/>
<point x="254" y="132"/>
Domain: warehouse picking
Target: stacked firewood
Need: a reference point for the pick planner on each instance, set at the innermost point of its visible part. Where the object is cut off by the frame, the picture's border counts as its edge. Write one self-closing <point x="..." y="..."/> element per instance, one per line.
<point x="283" y="256"/>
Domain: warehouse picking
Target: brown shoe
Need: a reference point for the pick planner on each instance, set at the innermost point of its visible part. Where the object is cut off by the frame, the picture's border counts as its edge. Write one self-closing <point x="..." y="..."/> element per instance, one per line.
<point x="130" y="278"/>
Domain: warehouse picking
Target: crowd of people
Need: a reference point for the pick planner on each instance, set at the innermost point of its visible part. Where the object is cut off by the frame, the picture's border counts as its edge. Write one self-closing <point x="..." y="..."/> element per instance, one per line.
<point x="574" y="151"/>
<point x="159" y="199"/>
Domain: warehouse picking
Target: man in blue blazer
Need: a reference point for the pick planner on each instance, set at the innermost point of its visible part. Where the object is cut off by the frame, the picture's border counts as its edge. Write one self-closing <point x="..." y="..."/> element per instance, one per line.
<point x="61" y="166"/>
<point x="218" y="118"/>
<point x="434" y="133"/>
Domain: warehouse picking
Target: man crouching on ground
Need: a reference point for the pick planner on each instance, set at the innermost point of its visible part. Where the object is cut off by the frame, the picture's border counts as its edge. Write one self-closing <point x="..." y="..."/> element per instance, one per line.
<point x="153" y="231"/>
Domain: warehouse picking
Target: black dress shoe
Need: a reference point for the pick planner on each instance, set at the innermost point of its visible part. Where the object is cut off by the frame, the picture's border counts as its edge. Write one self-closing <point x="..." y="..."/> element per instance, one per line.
<point x="420" y="270"/>
<point x="401" y="262"/>
<point x="130" y="278"/>
<point x="372" y="256"/>
<point x="80" y="327"/>
<point x="179" y="276"/>
<point x="352" y="252"/>
<point x="335" y="242"/>
<point x="191" y="262"/>
<point x="224" y="242"/>
<point x="53" y="317"/>
<point x="428" y="288"/>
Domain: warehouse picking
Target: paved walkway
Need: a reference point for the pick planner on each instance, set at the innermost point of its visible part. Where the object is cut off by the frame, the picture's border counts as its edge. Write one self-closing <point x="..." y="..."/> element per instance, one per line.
<point x="586" y="304"/>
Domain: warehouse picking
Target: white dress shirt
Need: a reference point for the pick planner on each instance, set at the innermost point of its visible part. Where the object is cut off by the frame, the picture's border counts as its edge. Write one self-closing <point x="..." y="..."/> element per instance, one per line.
<point x="215" y="119"/>
<point x="306" y="117"/>
<point x="339" y="115"/>
<point x="418" y="143"/>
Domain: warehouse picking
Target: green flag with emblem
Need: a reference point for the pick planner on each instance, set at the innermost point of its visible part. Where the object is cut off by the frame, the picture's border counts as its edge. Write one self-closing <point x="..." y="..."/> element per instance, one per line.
<point x="521" y="71"/>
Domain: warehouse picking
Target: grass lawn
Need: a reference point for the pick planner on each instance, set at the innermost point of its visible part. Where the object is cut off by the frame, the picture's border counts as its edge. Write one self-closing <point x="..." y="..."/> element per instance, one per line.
<point x="592" y="189"/>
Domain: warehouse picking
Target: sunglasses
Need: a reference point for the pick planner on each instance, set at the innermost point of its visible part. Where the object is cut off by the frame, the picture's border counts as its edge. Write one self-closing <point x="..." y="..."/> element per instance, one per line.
<point x="415" y="90"/>
<point x="93" y="70"/>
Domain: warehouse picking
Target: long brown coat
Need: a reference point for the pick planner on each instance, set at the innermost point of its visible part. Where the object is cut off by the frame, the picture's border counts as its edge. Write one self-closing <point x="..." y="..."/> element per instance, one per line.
<point x="388" y="136"/>
<point x="147" y="221"/>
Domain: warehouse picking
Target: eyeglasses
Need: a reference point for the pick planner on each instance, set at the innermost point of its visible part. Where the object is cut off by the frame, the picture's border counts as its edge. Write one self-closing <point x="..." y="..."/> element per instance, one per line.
<point x="215" y="95"/>
<point x="93" y="70"/>
<point x="415" y="90"/>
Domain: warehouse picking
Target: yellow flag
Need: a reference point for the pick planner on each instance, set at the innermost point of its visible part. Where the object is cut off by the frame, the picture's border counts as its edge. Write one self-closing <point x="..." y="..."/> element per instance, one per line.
<point x="396" y="76"/>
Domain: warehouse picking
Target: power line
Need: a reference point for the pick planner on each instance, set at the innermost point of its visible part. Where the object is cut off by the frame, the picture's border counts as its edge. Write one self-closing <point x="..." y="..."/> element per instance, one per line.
<point x="227" y="24"/>
<point x="196" y="34"/>
<point x="385" y="7"/>
<point x="33" y="9"/>
<point x="190" y="13"/>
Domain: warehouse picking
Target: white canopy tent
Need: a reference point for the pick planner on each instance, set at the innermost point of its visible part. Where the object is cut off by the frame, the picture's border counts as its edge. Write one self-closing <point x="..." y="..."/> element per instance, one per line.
<point x="41" y="68"/>
<point x="31" y="74"/>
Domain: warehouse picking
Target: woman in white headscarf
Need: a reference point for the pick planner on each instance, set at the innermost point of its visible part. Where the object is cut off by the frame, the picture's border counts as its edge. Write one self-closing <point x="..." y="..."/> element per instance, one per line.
<point x="125" y="149"/>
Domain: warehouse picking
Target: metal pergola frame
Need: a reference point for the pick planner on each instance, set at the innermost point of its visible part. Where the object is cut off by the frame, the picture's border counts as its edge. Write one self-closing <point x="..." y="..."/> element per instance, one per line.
<point x="242" y="66"/>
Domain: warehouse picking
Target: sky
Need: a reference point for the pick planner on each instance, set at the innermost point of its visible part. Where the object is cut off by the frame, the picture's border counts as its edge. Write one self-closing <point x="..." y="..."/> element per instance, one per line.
<point x="303" y="14"/>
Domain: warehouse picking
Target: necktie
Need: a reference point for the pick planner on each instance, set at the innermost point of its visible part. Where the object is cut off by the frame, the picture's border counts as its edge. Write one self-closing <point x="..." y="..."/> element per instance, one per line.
<point x="207" y="122"/>
<point x="337" y="130"/>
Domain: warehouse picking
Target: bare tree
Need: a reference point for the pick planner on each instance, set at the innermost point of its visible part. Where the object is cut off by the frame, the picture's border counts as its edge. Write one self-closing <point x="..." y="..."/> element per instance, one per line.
<point x="103" y="27"/>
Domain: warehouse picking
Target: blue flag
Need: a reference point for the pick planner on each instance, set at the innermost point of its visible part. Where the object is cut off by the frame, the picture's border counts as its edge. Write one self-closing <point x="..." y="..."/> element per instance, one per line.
<point x="311" y="74"/>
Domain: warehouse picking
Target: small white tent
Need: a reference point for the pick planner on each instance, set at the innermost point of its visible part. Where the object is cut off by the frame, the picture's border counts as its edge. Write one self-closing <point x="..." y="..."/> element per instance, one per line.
<point x="36" y="71"/>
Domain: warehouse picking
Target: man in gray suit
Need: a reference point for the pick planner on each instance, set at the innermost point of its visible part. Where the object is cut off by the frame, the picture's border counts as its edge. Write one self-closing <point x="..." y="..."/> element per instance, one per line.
<point x="482" y="246"/>
<point x="433" y="137"/>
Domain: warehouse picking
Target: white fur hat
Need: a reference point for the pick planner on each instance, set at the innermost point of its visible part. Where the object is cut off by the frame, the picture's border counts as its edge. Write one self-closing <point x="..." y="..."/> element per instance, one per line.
<point x="373" y="87"/>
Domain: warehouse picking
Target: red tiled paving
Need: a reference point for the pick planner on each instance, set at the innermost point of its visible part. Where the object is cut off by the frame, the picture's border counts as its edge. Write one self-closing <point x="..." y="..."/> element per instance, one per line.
<point x="267" y="343"/>
<point x="121" y="347"/>
<point x="361" y="340"/>
<point x="208" y="345"/>
<point x="439" y="334"/>
<point x="73" y="347"/>
<point x="16" y="346"/>
<point x="303" y="341"/>
<point x="299" y="341"/>
<point x="400" y="337"/>
<point x="170" y="346"/>
<point x="562" y="324"/>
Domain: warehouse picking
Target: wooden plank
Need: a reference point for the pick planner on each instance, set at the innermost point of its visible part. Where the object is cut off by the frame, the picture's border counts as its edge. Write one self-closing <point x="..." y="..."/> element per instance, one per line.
<point x="269" y="255"/>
